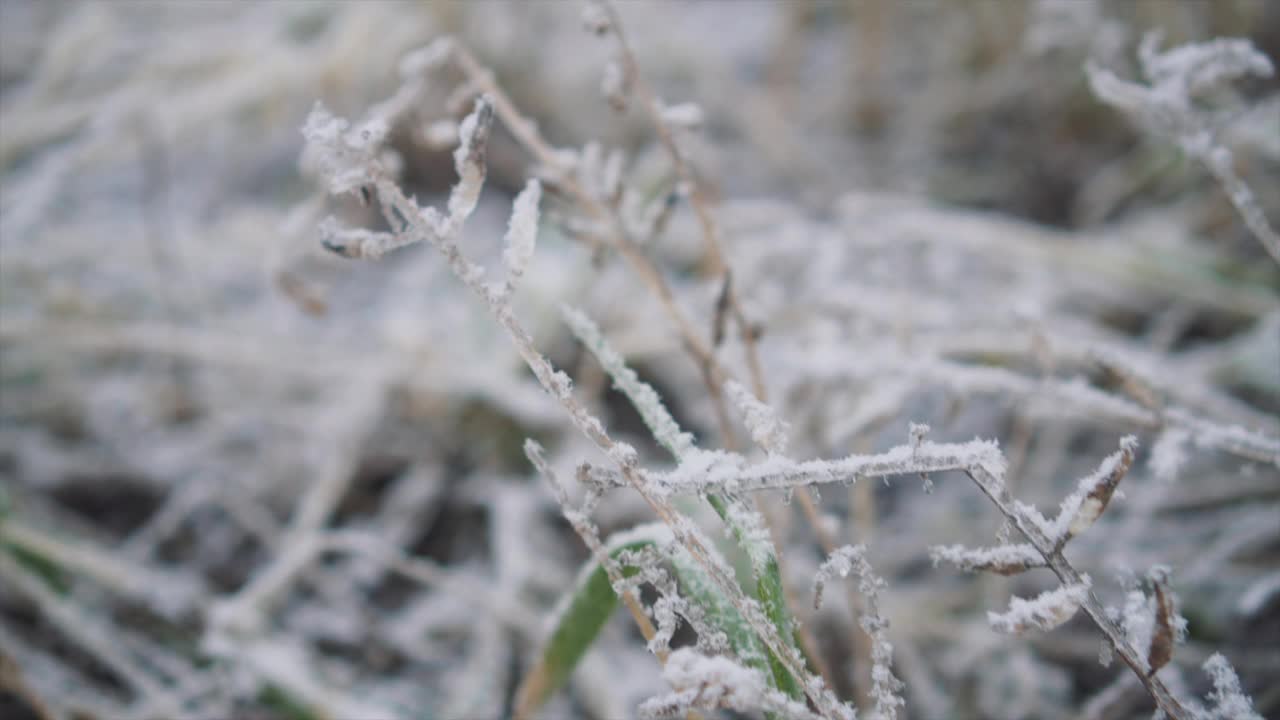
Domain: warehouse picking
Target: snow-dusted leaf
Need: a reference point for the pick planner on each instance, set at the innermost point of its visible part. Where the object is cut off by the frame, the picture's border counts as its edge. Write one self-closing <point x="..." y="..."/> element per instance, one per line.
<point x="767" y="429"/>
<point x="1168" y="107"/>
<point x="1165" y="633"/>
<point x="469" y="161"/>
<point x="719" y="613"/>
<point x="522" y="231"/>
<point x="1046" y="611"/>
<point x="643" y="397"/>
<point x="355" y="243"/>
<point x="1082" y="508"/>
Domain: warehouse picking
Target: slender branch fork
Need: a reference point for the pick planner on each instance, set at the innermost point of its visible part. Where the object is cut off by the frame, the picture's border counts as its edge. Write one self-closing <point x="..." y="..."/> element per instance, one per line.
<point x="981" y="462"/>
<point x="993" y="488"/>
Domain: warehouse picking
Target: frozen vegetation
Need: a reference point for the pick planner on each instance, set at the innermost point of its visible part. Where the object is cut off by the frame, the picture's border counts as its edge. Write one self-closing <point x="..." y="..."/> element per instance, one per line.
<point x="545" y="360"/>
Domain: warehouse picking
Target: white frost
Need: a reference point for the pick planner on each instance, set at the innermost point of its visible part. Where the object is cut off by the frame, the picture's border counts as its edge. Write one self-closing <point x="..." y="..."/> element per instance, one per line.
<point x="1169" y="453"/>
<point x="711" y="682"/>
<point x="469" y="161"/>
<point x="346" y="159"/>
<point x="646" y="400"/>
<point x="685" y="115"/>
<point x="522" y="231"/>
<point x="767" y="429"/>
<point x="1002" y="559"/>
<point x="1046" y="611"/>
<point x="1230" y="702"/>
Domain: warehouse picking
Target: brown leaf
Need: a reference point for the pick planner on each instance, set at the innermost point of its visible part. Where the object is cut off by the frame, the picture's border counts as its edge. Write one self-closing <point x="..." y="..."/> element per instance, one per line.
<point x="1162" y="640"/>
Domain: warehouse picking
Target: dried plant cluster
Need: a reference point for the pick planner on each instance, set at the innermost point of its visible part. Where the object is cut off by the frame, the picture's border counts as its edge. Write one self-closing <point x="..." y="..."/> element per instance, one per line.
<point x="422" y="484"/>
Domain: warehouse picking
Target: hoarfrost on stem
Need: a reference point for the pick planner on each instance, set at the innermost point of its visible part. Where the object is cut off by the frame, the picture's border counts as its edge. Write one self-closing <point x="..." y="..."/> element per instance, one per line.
<point x="648" y="403"/>
<point x="1167" y="107"/>
<point x="1002" y="559"/>
<point x="886" y="688"/>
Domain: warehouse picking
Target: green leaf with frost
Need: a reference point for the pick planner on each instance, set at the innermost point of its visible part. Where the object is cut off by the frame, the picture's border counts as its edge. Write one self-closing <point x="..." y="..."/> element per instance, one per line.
<point x="589" y="606"/>
<point x="733" y="511"/>
<point x="592" y="602"/>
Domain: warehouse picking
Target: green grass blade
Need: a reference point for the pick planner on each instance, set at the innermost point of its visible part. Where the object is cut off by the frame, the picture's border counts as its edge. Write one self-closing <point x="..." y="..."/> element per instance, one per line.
<point x="589" y="607"/>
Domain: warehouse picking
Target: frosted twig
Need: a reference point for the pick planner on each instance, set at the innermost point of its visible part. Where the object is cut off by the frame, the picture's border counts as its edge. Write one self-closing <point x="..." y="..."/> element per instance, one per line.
<point x="886" y="689"/>
<point x="591" y="538"/>
<point x="1002" y="559"/>
<point x="708" y="471"/>
<point x="1166" y="106"/>
<point x="526" y="132"/>
<point x="348" y="158"/>
<point x="993" y="487"/>
<point x="661" y="120"/>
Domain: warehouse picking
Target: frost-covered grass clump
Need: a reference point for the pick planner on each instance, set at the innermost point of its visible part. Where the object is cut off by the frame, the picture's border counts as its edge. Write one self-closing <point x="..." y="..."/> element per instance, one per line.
<point x="390" y="416"/>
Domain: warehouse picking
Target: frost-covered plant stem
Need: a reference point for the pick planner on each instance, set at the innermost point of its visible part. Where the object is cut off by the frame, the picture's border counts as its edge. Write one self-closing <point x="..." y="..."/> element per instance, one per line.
<point x="1167" y="107"/>
<point x="992" y="485"/>
<point x="786" y="474"/>
<point x="653" y="108"/>
<point x="591" y="539"/>
<point x="885" y="687"/>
